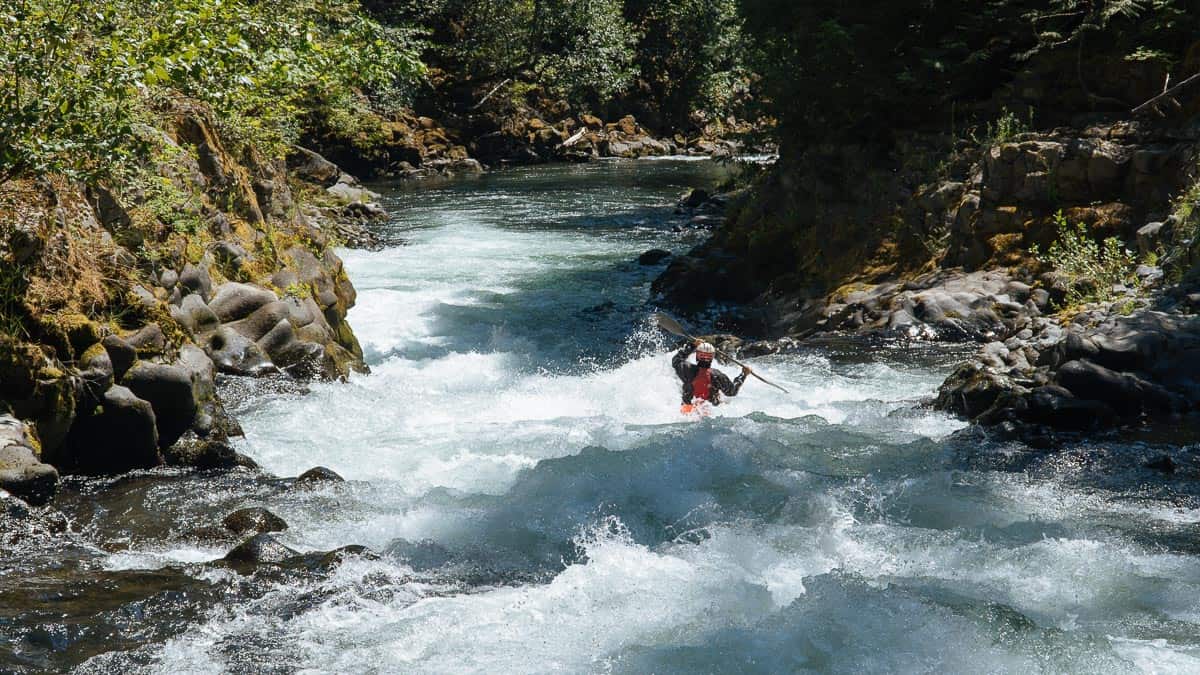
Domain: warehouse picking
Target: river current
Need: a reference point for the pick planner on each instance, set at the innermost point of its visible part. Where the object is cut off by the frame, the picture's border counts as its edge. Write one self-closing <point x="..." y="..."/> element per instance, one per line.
<point x="535" y="502"/>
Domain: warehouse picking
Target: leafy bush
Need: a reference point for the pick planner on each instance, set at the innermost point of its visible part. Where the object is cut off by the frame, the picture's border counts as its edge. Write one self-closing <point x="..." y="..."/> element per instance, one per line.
<point x="1006" y="127"/>
<point x="1092" y="268"/>
<point x="76" y="78"/>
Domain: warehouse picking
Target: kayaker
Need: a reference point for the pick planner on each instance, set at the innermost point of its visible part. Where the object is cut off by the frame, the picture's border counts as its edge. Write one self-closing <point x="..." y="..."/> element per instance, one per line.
<point x="701" y="382"/>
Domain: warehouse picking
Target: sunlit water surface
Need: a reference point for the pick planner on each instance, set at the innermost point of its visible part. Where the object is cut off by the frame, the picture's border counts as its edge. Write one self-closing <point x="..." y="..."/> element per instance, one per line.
<point x="517" y="460"/>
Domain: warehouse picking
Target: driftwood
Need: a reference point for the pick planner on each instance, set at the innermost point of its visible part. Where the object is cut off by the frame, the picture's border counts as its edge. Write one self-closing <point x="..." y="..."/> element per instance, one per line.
<point x="490" y="93"/>
<point x="574" y="139"/>
<point x="1168" y="94"/>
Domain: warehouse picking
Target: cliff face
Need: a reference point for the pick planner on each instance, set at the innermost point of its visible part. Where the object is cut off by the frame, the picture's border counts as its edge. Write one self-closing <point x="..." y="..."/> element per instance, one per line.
<point x="120" y="302"/>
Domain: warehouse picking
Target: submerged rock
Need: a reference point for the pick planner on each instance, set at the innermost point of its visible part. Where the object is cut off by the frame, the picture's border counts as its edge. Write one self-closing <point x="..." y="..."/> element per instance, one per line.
<point x="254" y="520"/>
<point x="259" y="549"/>
<point x="317" y="476"/>
<point x="653" y="257"/>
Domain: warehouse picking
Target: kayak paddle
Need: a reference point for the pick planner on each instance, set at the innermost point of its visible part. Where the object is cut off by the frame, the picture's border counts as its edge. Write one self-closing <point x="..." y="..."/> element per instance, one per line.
<point x="675" y="328"/>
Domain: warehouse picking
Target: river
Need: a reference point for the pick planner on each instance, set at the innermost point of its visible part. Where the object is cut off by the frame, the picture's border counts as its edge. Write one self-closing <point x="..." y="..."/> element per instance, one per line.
<point x="536" y="503"/>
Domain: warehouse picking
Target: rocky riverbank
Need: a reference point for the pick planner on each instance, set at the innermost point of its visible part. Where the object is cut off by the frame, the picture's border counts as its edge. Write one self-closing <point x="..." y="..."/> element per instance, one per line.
<point x="961" y="263"/>
<point x="411" y="146"/>
<point x="123" y="302"/>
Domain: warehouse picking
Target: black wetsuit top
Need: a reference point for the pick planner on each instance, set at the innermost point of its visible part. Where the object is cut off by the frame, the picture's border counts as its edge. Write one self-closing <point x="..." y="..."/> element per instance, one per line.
<point x="720" y="383"/>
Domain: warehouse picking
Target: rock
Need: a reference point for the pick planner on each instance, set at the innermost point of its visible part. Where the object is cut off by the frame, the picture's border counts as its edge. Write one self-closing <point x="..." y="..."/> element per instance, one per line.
<point x="19" y="522"/>
<point x="167" y="279"/>
<point x="316" y="476"/>
<point x="196" y="280"/>
<point x="235" y="301"/>
<point x="169" y="391"/>
<point x="95" y="371"/>
<point x="231" y="256"/>
<point x="1125" y="393"/>
<point x="206" y="454"/>
<point x="1162" y="463"/>
<point x="259" y="549"/>
<point x="591" y="122"/>
<point x="1149" y="238"/>
<point x="121" y="354"/>
<point x="256" y="520"/>
<point x="653" y="257"/>
<point x="346" y="193"/>
<point x="20" y="471"/>
<point x="120" y="437"/>
<point x="262" y="320"/>
<point x="312" y="167"/>
<point x="694" y="198"/>
<point x="235" y="354"/>
<point x="148" y="340"/>
<point x="366" y="210"/>
<point x="196" y="316"/>
<point x="144" y="297"/>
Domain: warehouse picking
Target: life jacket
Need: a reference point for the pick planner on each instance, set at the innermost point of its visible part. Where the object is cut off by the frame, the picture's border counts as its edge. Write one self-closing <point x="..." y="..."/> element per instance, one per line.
<point x="702" y="383"/>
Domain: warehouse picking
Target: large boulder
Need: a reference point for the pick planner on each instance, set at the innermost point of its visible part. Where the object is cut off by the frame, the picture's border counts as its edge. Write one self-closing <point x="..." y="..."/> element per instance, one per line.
<point x="170" y="392"/>
<point x="312" y="167"/>
<point x="120" y="436"/>
<point x="235" y="301"/>
<point x="235" y="354"/>
<point x="1124" y="392"/>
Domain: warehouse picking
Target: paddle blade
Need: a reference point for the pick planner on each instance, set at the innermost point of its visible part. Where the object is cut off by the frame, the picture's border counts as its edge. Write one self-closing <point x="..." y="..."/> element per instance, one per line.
<point x="670" y="325"/>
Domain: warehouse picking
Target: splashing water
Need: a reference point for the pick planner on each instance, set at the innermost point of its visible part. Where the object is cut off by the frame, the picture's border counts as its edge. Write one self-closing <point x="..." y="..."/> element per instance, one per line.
<point x="518" y="461"/>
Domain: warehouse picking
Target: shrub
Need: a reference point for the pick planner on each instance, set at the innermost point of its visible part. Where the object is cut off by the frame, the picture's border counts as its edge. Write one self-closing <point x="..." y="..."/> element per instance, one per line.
<point x="1092" y="268"/>
<point x="75" y="83"/>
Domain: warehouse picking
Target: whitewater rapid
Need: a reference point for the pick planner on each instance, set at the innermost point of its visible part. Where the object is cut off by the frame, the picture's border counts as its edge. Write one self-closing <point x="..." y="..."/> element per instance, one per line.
<point x="517" y="460"/>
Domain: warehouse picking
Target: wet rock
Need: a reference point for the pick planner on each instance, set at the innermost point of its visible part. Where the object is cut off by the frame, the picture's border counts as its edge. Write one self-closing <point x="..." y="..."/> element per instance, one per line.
<point x="235" y="354"/>
<point x="20" y="471"/>
<point x="653" y="257"/>
<point x="169" y="391"/>
<point x="120" y="437"/>
<point x="255" y="520"/>
<point x="19" y="522"/>
<point x="694" y="198"/>
<point x="315" y="476"/>
<point x="1125" y="393"/>
<point x="1162" y="463"/>
<point x="207" y="454"/>
<point x="259" y="549"/>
